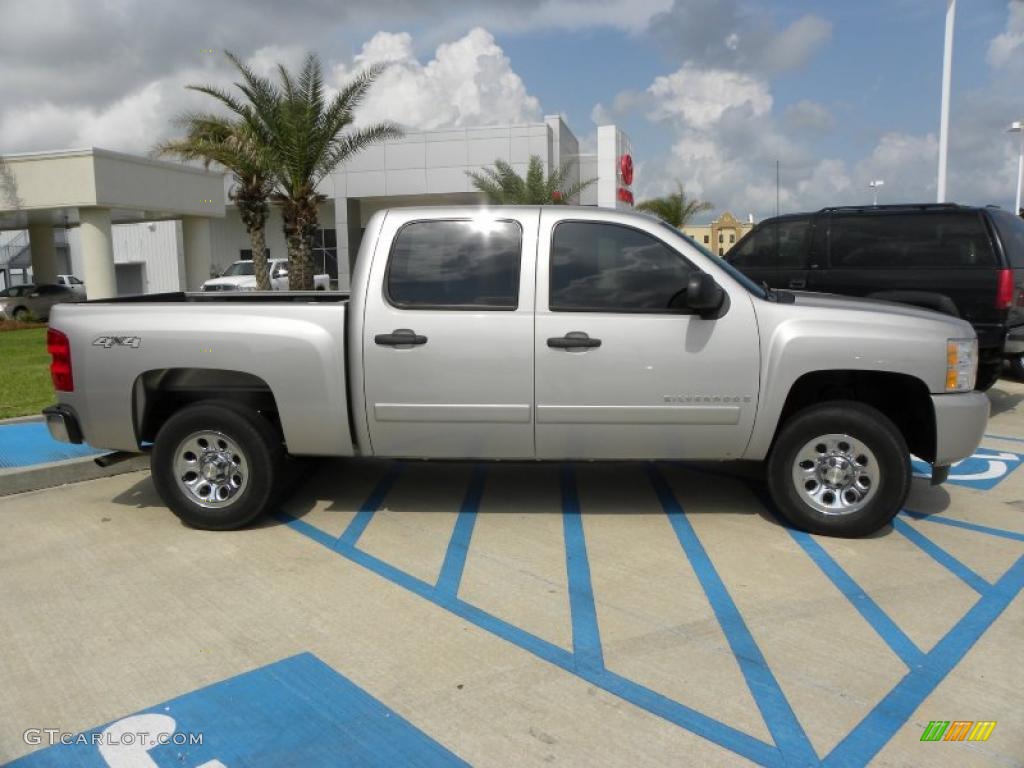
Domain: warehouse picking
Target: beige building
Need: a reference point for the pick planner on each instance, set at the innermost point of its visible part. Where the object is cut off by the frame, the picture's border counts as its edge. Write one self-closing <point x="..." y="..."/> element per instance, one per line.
<point x="721" y="234"/>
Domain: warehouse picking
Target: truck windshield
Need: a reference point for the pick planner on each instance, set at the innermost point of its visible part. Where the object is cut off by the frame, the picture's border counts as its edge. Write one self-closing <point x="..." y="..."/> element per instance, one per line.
<point x="239" y="268"/>
<point x="736" y="275"/>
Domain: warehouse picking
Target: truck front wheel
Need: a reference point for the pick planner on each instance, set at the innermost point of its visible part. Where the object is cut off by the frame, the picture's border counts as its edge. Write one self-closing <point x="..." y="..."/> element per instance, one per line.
<point x="216" y="464"/>
<point x="839" y="468"/>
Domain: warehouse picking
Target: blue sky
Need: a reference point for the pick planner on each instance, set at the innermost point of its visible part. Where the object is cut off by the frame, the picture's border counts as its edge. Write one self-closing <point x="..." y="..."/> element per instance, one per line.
<point x="711" y="92"/>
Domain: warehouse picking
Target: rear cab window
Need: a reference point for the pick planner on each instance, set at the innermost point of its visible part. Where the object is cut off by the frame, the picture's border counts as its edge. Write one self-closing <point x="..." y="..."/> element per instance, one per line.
<point x="455" y="264"/>
<point x="939" y="240"/>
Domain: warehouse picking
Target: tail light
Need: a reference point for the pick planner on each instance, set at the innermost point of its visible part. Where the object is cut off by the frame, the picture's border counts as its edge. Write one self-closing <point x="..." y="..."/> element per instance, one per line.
<point x="59" y="347"/>
<point x="1004" y="294"/>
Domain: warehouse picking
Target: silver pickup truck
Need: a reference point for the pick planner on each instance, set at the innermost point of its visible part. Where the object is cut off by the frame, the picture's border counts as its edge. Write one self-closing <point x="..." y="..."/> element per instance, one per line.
<point x="536" y="333"/>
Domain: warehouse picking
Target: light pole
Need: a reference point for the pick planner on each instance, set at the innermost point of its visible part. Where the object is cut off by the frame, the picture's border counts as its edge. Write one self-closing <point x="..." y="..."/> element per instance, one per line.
<point x="1018" y="127"/>
<point x="947" y="70"/>
<point x="874" y="188"/>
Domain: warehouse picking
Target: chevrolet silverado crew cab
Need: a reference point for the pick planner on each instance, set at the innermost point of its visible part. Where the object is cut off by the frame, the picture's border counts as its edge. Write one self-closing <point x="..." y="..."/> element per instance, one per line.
<point x="536" y="333"/>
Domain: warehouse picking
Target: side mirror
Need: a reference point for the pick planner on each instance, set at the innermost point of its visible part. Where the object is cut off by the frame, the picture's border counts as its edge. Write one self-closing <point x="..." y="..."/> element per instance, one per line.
<point x="704" y="295"/>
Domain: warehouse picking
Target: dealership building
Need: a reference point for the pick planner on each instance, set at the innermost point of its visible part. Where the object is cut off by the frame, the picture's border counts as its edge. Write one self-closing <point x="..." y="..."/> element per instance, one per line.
<point x="132" y="224"/>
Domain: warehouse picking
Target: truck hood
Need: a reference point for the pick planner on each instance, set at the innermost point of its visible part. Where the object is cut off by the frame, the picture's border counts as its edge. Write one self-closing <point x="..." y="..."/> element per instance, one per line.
<point x="236" y="282"/>
<point x="954" y="326"/>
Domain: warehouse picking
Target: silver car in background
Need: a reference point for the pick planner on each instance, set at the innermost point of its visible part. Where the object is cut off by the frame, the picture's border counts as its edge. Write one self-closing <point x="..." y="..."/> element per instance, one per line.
<point x="28" y="302"/>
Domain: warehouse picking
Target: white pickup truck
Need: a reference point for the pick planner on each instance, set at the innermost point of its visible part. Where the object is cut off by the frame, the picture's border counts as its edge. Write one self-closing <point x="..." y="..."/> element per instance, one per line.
<point x="241" y="276"/>
<point x="548" y="333"/>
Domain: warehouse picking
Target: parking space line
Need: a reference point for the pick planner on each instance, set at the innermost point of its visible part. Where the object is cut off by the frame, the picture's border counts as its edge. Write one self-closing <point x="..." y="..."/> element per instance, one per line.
<point x="362" y="518"/>
<point x="1004" y="437"/>
<point x="638" y="695"/>
<point x="586" y="635"/>
<point x="941" y="556"/>
<point x="880" y="621"/>
<point x="458" y="546"/>
<point x="977" y="527"/>
<point x="778" y="715"/>
<point x="893" y="711"/>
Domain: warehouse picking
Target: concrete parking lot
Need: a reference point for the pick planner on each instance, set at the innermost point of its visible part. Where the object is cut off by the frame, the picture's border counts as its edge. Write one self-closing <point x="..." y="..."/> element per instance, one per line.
<point x="608" y="614"/>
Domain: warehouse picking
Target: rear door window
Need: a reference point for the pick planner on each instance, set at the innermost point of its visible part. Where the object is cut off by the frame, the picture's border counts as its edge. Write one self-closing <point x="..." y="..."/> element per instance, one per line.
<point x="1011" y="233"/>
<point x="455" y="265"/>
<point x="909" y="241"/>
<point x="781" y="244"/>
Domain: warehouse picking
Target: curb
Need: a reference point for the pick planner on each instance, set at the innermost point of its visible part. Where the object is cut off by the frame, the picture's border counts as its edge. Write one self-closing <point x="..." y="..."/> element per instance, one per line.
<point x="54" y="473"/>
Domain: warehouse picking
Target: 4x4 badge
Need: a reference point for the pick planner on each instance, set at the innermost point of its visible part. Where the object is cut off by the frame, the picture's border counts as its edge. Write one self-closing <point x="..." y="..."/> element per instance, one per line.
<point x="118" y="341"/>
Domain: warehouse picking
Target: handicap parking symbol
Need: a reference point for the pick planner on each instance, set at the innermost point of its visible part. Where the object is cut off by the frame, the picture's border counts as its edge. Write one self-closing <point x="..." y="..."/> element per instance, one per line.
<point x="982" y="470"/>
<point x="298" y="711"/>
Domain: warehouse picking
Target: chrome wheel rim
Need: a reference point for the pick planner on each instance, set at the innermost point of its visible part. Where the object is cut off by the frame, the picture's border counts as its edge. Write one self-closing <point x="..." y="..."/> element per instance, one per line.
<point x="836" y="474"/>
<point x="211" y="469"/>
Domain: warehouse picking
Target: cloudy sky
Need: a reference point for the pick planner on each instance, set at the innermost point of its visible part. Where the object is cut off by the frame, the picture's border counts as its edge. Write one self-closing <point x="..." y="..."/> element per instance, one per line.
<point x="712" y="92"/>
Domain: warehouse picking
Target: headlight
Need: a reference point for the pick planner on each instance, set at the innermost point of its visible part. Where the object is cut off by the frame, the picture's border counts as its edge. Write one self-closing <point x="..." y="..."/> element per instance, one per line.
<point x="961" y="364"/>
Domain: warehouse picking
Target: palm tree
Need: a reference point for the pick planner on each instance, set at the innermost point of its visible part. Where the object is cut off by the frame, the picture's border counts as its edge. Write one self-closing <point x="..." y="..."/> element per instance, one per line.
<point x="216" y="140"/>
<point x="675" y="208"/>
<point x="301" y="138"/>
<point x="501" y="185"/>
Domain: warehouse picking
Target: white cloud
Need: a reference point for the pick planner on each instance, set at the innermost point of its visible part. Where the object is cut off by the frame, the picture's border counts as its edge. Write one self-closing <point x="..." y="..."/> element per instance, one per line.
<point x="1008" y="46"/>
<point x="807" y="116"/>
<point x="469" y="81"/>
<point x="699" y="97"/>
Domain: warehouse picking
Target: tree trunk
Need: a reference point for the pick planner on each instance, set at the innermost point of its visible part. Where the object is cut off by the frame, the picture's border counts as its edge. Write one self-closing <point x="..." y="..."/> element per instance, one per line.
<point x="300" y="220"/>
<point x="257" y="237"/>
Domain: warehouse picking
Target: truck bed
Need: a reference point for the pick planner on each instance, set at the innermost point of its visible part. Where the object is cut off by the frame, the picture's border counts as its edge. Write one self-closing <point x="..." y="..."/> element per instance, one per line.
<point x="238" y="297"/>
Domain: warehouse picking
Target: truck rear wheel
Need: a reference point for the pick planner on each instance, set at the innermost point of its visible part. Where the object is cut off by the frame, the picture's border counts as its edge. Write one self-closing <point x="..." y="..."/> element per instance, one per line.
<point x="216" y="464"/>
<point x="840" y="468"/>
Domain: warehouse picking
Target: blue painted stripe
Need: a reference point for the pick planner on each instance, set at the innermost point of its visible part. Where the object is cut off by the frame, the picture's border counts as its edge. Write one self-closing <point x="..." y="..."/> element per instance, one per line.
<point x="362" y="518"/>
<point x="27" y="443"/>
<point x="458" y="546"/>
<point x="586" y="637"/>
<point x="941" y="556"/>
<point x="872" y="613"/>
<point x="893" y="711"/>
<point x="650" y="701"/>
<point x="1014" y="535"/>
<point x="879" y="620"/>
<point x="778" y="715"/>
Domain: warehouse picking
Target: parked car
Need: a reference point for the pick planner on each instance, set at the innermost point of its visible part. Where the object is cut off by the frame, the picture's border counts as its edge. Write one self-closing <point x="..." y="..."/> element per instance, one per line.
<point x="550" y="333"/>
<point x="24" y="302"/>
<point x="241" y="276"/>
<point x="71" y="282"/>
<point x="961" y="260"/>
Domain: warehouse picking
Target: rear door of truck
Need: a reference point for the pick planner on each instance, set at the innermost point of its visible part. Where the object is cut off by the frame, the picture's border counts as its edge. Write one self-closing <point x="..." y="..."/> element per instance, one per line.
<point x="448" y="335"/>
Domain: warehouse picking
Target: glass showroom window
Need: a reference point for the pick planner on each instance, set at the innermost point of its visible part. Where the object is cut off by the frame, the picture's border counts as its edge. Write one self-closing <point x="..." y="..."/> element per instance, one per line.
<point x="325" y="252"/>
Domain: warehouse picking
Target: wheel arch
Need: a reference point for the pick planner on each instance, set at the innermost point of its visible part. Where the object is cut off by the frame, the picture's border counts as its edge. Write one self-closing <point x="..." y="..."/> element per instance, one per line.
<point x="904" y="399"/>
<point x="159" y="393"/>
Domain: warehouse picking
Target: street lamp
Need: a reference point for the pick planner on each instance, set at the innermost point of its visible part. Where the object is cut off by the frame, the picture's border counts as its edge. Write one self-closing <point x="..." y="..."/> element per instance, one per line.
<point x="947" y="72"/>
<point x="1018" y="127"/>
<point x="874" y="188"/>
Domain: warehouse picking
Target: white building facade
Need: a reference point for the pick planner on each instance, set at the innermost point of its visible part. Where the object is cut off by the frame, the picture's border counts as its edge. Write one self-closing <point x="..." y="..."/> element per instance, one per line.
<point x="421" y="168"/>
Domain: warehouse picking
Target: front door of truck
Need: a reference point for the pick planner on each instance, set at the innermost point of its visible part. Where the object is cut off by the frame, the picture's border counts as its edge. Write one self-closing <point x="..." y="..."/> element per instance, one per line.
<point x="619" y="374"/>
<point x="448" y="336"/>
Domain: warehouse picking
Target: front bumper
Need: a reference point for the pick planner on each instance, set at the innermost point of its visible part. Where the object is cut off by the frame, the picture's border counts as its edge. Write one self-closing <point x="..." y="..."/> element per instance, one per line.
<point x="62" y="422"/>
<point x="960" y="422"/>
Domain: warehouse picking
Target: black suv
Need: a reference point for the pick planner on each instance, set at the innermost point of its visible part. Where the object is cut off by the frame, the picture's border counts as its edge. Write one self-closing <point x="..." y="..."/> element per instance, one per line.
<point x="961" y="260"/>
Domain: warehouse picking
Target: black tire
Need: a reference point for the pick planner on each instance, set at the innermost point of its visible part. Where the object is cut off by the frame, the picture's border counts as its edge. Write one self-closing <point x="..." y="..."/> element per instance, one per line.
<point x="1016" y="366"/>
<point x="259" y="444"/>
<point x="20" y="314"/>
<point x="863" y="423"/>
<point x="989" y="372"/>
